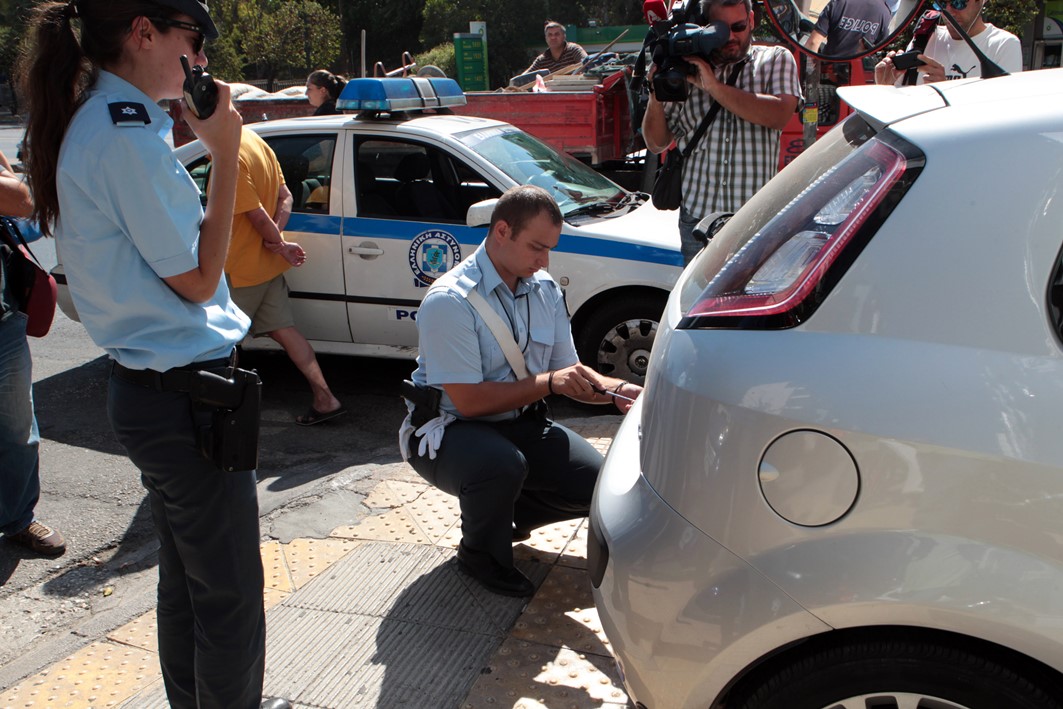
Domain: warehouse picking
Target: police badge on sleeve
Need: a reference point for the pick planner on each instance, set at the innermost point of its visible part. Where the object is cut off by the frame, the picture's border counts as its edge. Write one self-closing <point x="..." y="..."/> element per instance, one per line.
<point x="432" y="254"/>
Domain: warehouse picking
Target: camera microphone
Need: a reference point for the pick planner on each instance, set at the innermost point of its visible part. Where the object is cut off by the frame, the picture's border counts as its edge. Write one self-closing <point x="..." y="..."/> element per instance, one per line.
<point x="654" y="11"/>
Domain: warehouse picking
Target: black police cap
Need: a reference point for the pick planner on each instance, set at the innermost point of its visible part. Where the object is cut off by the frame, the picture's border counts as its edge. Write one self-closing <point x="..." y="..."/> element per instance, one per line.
<point x="198" y="11"/>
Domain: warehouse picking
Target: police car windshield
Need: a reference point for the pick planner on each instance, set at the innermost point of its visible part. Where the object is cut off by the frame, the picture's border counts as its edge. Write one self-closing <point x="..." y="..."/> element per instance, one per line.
<point x="529" y="161"/>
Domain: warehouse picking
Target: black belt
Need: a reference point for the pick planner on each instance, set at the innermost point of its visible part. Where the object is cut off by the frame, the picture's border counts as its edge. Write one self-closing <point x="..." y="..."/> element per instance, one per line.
<point x="177" y="379"/>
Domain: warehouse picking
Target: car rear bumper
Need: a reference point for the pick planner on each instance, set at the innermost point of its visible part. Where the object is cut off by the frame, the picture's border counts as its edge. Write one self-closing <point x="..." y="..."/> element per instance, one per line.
<point x="684" y="615"/>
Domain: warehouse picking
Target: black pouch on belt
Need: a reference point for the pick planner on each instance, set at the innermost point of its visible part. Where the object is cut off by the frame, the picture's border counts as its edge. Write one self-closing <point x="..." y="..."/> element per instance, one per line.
<point x="234" y="403"/>
<point x="425" y="401"/>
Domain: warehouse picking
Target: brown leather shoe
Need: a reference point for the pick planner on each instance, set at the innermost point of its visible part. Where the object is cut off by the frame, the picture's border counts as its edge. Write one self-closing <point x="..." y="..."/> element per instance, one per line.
<point x="40" y="538"/>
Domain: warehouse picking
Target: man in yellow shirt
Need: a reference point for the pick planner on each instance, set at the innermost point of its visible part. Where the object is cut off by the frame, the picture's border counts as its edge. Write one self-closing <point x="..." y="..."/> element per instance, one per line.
<point x="258" y="258"/>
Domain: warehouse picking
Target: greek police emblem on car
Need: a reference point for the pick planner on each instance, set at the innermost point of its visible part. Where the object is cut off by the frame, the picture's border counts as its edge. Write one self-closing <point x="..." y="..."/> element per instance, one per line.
<point x="432" y="254"/>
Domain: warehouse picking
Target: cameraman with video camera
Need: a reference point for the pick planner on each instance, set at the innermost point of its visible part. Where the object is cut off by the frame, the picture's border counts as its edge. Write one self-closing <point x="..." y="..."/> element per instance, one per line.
<point x="739" y="151"/>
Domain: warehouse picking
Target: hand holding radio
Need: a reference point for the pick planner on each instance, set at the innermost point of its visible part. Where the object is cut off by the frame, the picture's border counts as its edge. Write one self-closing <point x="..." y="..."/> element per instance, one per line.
<point x="201" y="93"/>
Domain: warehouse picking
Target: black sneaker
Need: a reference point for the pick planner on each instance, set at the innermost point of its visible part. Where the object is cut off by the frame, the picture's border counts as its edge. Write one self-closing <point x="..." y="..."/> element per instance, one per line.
<point x="492" y="575"/>
<point x="40" y="538"/>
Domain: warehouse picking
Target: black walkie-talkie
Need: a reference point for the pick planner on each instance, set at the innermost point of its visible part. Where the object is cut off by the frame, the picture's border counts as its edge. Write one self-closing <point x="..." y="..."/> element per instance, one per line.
<point x="201" y="93"/>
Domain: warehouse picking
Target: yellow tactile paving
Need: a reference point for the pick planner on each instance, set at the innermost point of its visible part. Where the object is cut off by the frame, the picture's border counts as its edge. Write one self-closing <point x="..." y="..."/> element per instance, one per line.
<point x="547" y="543"/>
<point x="562" y="614"/>
<point x="395" y="525"/>
<point x="394" y="493"/>
<point x="435" y="513"/>
<point x="527" y="675"/>
<point x="575" y="553"/>
<point x="103" y="674"/>
<point x="272" y="597"/>
<point x="275" y="568"/>
<point x="142" y="632"/>
<point x="306" y="558"/>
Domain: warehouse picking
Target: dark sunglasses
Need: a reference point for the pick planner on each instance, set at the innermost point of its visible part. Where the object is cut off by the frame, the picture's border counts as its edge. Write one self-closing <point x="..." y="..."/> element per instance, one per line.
<point x="956" y="4"/>
<point x="197" y="43"/>
<point x="740" y="27"/>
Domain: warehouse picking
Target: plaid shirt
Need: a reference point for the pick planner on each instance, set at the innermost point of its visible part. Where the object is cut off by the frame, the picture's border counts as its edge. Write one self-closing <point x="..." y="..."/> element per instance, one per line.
<point x="571" y="54"/>
<point x="734" y="158"/>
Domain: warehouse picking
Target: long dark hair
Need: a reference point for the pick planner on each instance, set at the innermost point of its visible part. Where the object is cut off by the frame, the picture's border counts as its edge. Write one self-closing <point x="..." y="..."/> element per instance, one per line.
<point x="332" y="83"/>
<point x="56" y="70"/>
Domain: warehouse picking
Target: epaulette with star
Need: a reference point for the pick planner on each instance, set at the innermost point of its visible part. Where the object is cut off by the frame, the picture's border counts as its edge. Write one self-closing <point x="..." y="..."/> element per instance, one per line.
<point x="128" y="113"/>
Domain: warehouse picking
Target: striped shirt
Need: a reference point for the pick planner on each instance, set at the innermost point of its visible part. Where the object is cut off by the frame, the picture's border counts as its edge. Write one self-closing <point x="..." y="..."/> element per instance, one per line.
<point x="571" y="54"/>
<point x="734" y="158"/>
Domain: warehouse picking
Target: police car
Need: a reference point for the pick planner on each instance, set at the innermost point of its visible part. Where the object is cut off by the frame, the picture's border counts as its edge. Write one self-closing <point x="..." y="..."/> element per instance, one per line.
<point x="388" y="199"/>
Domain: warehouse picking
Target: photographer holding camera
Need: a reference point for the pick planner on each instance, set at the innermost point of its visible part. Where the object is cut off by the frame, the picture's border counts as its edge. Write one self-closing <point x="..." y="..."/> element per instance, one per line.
<point x="739" y="151"/>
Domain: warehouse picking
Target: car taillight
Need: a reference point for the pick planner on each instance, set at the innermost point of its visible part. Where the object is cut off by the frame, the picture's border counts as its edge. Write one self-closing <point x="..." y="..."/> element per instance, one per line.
<point x="772" y="275"/>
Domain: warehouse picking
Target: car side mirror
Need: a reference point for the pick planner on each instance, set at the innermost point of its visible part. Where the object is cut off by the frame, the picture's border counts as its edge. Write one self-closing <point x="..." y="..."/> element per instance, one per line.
<point x="479" y="214"/>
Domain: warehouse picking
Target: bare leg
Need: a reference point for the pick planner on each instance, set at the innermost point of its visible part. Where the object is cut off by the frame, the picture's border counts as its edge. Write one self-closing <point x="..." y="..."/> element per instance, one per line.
<point x="302" y="356"/>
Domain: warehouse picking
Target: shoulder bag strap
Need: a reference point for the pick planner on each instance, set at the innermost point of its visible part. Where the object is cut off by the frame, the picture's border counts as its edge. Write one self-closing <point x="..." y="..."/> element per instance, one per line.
<point x="501" y="332"/>
<point x="711" y="115"/>
<point x="11" y="236"/>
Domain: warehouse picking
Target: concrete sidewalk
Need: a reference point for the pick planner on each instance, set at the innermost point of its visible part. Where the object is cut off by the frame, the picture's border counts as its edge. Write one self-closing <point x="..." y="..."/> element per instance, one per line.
<point x="377" y="615"/>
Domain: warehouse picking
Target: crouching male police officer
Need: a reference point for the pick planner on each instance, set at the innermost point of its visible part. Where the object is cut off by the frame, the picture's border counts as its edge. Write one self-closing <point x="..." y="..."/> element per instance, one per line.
<point x="479" y="431"/>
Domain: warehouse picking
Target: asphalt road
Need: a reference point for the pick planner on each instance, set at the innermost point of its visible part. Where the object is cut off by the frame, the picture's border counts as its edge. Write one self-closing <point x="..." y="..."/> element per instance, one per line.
<point x="92" y="493"/>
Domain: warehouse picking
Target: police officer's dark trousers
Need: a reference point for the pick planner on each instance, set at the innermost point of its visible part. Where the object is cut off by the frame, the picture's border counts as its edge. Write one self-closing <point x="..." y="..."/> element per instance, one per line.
<point x="526" y="473"/>
<point x="212" y="626"/>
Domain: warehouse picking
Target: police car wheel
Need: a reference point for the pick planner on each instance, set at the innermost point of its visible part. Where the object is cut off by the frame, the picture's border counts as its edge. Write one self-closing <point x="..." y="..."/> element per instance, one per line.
<point x="616" y="338"/>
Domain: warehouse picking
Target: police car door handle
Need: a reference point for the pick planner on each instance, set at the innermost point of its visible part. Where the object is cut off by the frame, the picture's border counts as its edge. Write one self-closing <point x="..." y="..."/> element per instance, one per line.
<point x="366" y="249"/>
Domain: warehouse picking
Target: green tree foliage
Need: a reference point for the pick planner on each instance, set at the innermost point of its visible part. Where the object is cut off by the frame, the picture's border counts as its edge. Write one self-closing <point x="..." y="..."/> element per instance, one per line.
<point x="298" y="35"/>
<point x="1010" y="15"/>
<point x="391" y="28"/>
<point x="509" y="24"/>
<point x="441" y="57"/>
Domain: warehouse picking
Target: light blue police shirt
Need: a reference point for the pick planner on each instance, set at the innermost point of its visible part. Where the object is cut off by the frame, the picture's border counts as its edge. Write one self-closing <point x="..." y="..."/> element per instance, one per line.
<point x="129" y="217"/>
<point x="455" y="346"/>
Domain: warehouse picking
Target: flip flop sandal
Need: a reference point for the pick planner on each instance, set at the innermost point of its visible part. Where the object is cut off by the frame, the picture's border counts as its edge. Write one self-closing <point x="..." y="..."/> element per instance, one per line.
<point x="313" y="416"/>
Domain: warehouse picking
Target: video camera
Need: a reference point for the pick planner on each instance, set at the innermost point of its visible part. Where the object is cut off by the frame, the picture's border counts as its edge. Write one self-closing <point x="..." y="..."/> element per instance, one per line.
<point x="676" y="36"/>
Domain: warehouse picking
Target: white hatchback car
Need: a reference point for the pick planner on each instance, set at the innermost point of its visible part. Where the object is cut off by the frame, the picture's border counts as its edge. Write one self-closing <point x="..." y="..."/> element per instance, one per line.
<point x="843" y="486"/>
<point x="382" y="208"/>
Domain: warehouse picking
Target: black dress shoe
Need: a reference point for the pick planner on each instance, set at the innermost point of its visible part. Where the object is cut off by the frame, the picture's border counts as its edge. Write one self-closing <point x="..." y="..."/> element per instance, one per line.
<point x="276" y="703"/>
<point x="492" y="575"/>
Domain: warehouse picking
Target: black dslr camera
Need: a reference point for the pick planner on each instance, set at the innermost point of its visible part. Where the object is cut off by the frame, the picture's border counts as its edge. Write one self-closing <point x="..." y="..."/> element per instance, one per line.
<point x="676" y="37"/>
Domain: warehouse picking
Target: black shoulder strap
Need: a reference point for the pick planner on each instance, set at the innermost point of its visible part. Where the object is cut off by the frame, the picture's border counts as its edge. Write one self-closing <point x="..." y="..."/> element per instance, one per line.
<point x="11" y="236"/>
<point x="711" y="115"/>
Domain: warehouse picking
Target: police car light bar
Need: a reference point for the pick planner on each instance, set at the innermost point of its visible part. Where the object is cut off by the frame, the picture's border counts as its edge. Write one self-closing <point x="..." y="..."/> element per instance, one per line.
<point x="393" y="95"/>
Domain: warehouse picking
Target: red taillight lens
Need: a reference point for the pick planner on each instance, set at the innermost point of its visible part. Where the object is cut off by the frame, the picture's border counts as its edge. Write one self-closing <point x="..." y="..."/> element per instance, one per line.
<point x="783" y="262"/>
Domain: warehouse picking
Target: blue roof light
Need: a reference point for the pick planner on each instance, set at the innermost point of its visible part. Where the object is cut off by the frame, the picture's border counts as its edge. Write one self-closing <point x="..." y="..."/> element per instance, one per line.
<point x="409" y="94"/>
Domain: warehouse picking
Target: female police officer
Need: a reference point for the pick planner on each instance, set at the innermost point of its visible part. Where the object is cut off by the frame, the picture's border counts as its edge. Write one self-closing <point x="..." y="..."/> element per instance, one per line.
<point x="144" y="266"/>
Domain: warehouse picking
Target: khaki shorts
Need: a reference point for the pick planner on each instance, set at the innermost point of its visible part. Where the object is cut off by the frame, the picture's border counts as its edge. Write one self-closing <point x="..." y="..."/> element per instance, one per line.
<point x="266" y="304"/>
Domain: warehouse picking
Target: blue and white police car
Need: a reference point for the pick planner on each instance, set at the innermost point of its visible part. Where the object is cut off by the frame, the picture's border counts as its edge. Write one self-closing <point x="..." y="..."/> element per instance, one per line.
<point x="386" y="199"/>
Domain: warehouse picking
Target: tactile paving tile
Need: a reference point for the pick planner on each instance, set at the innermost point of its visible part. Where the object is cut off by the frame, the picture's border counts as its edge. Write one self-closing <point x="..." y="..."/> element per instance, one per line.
<point x="575" y="553"/>
<point x="272" y="597"/>
<point x="306" y="558"/>
<point x="275" y="568"/>
<point x="395" y="525"/>
<point x="103" y="674"/>
<point x="368" y="579"/>
<point x="527" y="675"/>
<point x="341" y="661"/>
<point x="142" y="632"/>
<point x="151" y="697"/>
<point x="435" y="513"/>
<point x="562" y="614"/>
<point x="547" y="543"/>
<point x="393" y="493"/>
